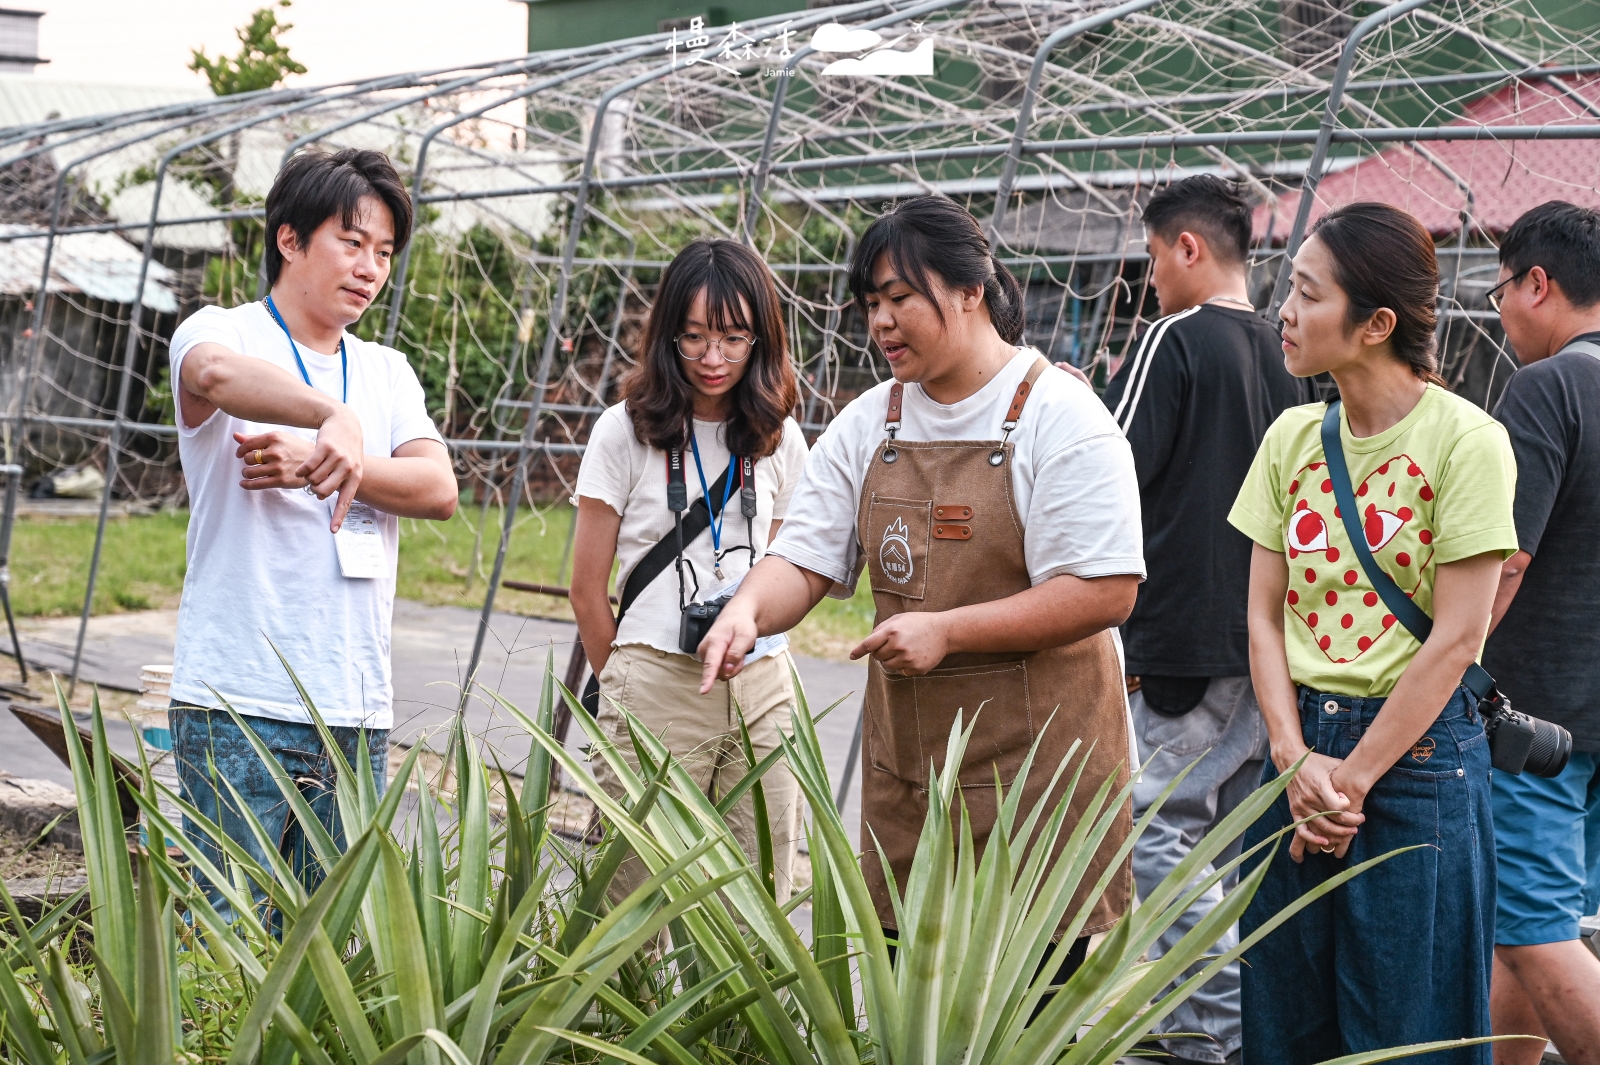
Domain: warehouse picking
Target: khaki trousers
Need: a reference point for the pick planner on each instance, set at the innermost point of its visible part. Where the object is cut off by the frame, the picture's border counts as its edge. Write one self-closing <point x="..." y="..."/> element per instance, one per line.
<point x="662" y="690"/>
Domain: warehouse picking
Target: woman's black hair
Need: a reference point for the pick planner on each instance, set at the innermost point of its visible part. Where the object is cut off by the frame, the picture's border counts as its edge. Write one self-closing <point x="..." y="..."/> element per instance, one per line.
<point x="1383" y="257"/>
<point x="658" y="393"/>
<point x="933" y="235"/>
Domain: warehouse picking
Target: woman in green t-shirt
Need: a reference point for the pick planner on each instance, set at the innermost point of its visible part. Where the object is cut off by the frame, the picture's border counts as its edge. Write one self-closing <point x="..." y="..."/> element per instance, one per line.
<point x="1398" y="758"/>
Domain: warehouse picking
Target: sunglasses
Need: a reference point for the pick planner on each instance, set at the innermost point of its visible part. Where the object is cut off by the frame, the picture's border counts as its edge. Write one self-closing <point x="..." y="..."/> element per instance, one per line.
<point x="1494" y="293"/>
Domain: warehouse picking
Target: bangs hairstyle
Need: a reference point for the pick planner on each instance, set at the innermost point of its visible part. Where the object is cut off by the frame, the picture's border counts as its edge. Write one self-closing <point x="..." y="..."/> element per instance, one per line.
<point x="1208" y="205"/>
<point x="659" y="396"/>
<point x="315" y="186"/>
<point x="1383" y="257"/>
<point x="930" y="235"/>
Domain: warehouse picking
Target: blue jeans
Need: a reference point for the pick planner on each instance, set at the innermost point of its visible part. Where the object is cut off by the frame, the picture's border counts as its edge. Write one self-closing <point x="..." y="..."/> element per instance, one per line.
<point x="199" y="734"/>
<point x="1227" y="736"/>
<point x="1547" y="844"/>
<point x="1400" y="954"/>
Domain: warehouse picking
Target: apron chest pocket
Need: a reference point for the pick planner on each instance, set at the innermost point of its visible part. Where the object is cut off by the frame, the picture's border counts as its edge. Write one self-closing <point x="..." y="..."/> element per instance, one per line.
<point x="897" y="545"/>
<point x="913" y="731"/>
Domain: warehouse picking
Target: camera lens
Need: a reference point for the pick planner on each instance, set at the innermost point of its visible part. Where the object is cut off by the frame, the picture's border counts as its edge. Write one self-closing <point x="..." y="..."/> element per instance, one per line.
<point x="1552" y="746"/>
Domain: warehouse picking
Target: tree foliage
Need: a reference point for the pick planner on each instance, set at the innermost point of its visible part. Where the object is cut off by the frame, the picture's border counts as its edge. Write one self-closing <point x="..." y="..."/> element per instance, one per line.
<point x="263" y="61"/>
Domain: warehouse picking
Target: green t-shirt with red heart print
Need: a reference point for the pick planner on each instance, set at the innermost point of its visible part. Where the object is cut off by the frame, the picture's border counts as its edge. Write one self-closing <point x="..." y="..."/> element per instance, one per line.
<point x="1434" y="488"/>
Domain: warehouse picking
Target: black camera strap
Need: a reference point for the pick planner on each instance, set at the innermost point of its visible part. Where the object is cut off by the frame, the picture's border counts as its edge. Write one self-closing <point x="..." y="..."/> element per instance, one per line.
<point x="747" y="502"/>
<point x="1401" y="605"/>
<point x="688" y="522"/>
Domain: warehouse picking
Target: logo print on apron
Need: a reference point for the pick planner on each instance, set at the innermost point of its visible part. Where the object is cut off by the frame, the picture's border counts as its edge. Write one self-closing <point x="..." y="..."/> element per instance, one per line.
<point x="895" y="553"/>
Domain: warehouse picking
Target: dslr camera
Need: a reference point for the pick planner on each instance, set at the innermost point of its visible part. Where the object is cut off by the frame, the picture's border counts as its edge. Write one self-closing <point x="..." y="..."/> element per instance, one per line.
<point x="696" y="620"/>
<point x="1519" y="741"/>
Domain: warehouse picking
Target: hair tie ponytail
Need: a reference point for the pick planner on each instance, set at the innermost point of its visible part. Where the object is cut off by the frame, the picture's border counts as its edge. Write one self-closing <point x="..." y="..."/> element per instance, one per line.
<point x="1006" y="311"/>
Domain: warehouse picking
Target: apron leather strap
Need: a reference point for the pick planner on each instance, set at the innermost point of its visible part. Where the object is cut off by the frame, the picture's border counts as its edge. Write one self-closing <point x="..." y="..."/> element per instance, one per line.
<point x="1023" y="391"/>
<point x="891" y="421"/>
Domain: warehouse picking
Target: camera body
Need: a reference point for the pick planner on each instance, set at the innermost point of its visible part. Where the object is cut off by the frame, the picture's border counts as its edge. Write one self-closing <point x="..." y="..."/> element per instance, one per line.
<point x="1519" y="741"/>
<point x="696" y="620"/>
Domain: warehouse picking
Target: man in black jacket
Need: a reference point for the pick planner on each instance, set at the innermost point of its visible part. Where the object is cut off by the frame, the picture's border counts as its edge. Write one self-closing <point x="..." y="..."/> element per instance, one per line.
<point x="1194" y="401"/>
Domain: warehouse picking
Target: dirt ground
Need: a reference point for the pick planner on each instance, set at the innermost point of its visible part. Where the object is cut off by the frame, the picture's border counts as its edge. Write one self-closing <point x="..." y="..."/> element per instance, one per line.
<point x="23" y="859"/>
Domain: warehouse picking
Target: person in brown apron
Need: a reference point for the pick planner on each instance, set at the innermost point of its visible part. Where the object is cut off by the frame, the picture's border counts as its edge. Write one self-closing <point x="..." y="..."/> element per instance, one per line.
<point x="950" y="537"/>
<point x="931" y="484"/>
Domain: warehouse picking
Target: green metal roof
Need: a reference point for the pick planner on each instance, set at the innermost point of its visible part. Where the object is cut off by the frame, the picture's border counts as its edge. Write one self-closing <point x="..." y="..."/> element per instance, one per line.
<point x="556" y="24"/>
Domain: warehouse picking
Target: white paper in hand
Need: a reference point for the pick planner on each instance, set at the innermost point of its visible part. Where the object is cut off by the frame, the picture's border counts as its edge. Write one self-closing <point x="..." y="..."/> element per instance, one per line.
<point x="360" y="544"/>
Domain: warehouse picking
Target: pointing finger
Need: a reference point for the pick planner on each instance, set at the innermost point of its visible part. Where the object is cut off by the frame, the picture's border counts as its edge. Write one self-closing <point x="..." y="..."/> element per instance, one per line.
<point x="709" y="669"/>
<point x="347" y="495"/>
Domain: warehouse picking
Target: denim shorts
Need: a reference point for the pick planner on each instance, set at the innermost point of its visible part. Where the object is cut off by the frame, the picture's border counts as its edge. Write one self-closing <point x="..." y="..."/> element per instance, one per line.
<point x="1401" y="953"/>
<point x="1547" y="847"/>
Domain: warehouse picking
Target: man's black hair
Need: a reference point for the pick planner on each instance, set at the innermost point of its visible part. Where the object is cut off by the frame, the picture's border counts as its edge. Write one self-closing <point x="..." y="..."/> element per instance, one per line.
<point x="315" y="186"/>
<point x="1564" y="239"/>
<point x="1208" y="205"/>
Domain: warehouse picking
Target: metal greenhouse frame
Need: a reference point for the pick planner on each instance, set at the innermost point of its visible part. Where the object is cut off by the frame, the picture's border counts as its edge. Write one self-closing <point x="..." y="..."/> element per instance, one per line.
<point x="578" y="170"/>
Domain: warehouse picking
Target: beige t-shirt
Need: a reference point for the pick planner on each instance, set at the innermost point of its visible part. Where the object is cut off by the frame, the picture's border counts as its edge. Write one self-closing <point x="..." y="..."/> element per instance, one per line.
<point x="630" y="477"/>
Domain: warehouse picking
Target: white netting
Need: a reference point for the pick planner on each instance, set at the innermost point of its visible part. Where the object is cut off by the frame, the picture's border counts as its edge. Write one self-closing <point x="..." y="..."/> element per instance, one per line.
<point x="505" y="305"/>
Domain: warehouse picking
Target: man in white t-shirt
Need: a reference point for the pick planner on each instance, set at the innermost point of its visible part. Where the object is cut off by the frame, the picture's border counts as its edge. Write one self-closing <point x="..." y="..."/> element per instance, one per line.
<point x="302" y="446"/>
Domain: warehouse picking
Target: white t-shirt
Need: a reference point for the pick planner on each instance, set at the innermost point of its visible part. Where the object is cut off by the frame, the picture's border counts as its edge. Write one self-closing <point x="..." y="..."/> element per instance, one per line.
<point x="630" y="477"/>
<point x="1072" y="476"/>
<point x="263" y="569"/>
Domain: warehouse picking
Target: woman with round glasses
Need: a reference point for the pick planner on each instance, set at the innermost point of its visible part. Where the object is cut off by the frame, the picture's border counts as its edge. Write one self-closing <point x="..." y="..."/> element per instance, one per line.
<point x="704" y="425"/>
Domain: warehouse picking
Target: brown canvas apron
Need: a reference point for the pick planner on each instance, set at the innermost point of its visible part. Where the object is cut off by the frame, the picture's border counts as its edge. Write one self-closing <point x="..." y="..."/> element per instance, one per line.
<point x="940" y="530"/>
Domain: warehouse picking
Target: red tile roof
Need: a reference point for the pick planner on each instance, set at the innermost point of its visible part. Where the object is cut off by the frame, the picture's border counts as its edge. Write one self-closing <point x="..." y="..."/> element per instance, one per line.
<point x="1506" y="177"/>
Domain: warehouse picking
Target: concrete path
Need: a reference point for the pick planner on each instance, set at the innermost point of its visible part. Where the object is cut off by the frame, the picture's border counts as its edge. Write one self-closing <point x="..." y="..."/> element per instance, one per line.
<point x="431" y="648"/>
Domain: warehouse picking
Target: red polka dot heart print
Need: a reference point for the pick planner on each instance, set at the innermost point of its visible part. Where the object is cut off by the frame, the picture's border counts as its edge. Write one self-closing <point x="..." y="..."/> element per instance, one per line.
<point x="1327" y="590"/>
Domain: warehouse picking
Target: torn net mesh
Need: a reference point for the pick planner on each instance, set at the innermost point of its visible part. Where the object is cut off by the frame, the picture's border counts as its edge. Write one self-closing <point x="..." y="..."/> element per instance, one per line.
<point x="510" y="308"/>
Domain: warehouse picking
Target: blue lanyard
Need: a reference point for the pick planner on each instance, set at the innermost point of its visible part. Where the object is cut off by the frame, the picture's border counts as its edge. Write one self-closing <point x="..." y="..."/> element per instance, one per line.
<point x="344" y="361"/>
<point x="727" y="490"/>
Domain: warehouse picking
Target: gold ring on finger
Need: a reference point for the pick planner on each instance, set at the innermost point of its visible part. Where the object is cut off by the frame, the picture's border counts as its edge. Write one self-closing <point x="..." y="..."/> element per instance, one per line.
<point x="259" y="459"/>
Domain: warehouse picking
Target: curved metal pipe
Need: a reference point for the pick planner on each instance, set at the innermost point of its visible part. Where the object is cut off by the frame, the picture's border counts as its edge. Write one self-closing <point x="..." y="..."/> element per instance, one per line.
<point x="1489" y="44"/>
<point x="1030" y="92"/>
<point x="36" y="346"/>
<point x="758" y="182"/>
<point x="419" y="169"/>
<point x="1319" y="153"/>
<point x="528" y="64"/>
<point x="397" y="281"/>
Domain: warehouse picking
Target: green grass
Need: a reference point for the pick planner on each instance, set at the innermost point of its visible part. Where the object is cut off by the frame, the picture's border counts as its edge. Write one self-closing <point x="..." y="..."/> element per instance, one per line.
<point x="141" y="567"/>
<point x="441" y="563"/>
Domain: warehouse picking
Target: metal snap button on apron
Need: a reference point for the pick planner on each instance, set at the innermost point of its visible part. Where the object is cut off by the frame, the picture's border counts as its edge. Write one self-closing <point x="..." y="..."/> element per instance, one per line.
<point x="1331" y="707"/>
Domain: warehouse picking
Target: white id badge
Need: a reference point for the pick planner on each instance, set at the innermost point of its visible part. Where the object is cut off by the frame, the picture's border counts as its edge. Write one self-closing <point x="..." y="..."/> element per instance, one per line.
<point x="359" y="542"/>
